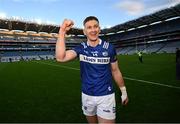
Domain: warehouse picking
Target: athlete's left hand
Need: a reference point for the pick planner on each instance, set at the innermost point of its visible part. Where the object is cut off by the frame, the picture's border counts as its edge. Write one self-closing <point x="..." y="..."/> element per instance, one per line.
<point x="124" y="99"/>
<point x="124" y="96"/>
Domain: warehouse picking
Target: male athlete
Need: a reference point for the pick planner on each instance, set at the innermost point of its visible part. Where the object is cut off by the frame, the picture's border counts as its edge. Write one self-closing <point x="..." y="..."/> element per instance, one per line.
<point x="98" y="63"/>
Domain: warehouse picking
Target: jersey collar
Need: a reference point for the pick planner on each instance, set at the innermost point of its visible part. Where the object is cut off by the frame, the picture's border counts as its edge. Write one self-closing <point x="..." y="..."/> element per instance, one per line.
<point x="100" y="41"/>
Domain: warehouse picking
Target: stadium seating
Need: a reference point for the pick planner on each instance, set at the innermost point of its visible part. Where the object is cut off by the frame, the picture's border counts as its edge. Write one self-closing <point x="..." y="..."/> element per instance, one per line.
<point x="154" y="33"/>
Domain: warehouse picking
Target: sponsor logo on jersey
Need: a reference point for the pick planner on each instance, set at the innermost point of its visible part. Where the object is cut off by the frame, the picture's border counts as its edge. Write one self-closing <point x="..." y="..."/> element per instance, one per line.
<point x="95" y="60"/>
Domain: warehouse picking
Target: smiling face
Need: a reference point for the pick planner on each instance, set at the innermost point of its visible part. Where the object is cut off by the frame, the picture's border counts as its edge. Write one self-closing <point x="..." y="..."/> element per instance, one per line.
<point x="92" y="30"/>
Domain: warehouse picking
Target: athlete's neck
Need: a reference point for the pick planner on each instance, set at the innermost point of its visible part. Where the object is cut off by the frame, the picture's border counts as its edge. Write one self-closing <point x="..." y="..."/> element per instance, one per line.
<point x="93" y="43"/>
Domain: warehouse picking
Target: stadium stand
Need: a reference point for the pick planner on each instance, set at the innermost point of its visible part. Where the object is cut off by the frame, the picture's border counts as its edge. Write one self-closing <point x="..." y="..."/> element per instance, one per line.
<point x="155" y="33"/>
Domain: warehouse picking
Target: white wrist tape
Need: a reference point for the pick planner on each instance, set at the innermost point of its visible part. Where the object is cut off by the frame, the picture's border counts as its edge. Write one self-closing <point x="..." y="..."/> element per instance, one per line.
<point x="124" y="93"/>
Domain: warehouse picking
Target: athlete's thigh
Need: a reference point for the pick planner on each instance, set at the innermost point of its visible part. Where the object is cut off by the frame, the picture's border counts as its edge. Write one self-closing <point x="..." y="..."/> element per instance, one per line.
<point x="88" y="105"/>
<point x="106" y="108"/>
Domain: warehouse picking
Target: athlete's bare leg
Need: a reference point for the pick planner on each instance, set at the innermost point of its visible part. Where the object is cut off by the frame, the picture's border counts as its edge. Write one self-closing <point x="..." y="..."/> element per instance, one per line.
<point x="105" y="121"/>
<point x="92" y="119"/>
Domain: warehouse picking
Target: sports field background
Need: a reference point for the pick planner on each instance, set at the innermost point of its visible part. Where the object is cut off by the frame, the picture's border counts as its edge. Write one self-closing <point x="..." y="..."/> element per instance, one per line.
<point x="47" y="91"/>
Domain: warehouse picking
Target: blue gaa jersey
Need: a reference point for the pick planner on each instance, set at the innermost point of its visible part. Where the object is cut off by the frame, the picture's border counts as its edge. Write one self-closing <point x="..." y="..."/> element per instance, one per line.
<point x="95" y="67"/>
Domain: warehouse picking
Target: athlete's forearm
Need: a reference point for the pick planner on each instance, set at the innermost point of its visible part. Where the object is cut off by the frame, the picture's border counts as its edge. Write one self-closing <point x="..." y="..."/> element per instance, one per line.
<point x="61" y="54"/>
<point x="60" y="46"/>
<point x="120" y="82"/>
<point x="118" y="77"/>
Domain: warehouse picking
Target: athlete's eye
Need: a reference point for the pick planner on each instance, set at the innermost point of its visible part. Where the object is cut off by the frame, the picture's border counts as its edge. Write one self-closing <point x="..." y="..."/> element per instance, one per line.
<point x="89" y="27"/>
<point x="96" y="26"/>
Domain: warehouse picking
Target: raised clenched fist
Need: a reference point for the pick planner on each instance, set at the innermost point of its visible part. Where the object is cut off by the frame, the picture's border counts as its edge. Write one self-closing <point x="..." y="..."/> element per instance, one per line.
<point x="66" y="25"/>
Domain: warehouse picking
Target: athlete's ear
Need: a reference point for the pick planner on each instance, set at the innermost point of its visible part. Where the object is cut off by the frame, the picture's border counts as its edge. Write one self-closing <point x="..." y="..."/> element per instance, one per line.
<point x="84" y="31"/>
<point x="99" y="29"/>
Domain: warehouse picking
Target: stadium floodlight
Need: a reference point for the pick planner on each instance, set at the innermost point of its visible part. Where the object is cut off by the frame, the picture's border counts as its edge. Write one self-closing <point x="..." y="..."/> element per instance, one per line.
<point x="142" y="26"/>
<point x="54" y="33"/>
<point x="7" y="32"/>
<point x="131" y="29"/>
<point x="31" y="32"/>
<point x="45" y="34"/>
<point x="18" y="31"/>
<point x="120" y="31"/>
<point x="81" y="35"/>
<point x="4" y="30"/>
<point x="101" y="34"/>
<point x="70" y="35"/>
<point x="110" y="33"/>
<point x="155" y="22"/>
<point x="169" y="19"/>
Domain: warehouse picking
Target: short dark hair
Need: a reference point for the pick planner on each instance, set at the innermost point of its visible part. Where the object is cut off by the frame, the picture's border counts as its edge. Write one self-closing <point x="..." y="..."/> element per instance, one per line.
<point x="90" y="18"/>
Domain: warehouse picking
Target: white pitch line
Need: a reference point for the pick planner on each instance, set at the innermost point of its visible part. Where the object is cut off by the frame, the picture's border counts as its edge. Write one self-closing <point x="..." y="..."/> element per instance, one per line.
<point x="59" y="66"/>
<point x="128" y="78"/>
<point x="150" y="82"/>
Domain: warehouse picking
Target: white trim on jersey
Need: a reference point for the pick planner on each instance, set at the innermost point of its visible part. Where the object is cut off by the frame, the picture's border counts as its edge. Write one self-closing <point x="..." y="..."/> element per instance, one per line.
<point x="106" y="45"/>
<point x="84" y="45"/>
<point x="94" y="60"/>
<point x="100" y="41"/>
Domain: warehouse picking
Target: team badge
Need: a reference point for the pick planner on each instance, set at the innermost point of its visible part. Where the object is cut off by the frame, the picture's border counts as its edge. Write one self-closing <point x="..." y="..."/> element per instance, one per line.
<point x="105" y="53"/>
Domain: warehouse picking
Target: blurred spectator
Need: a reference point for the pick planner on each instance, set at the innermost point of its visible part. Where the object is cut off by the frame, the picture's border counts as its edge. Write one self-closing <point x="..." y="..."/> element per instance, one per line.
<point x="140" y="56"/>
<point x="10" y="59"/>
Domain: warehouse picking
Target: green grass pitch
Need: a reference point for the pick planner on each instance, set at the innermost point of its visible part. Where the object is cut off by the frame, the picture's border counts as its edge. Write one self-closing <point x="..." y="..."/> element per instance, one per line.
<point x="47" y="91"/>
